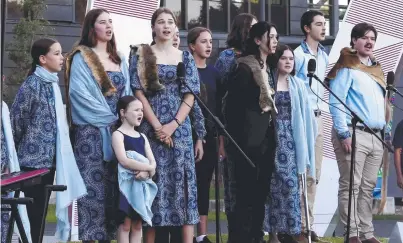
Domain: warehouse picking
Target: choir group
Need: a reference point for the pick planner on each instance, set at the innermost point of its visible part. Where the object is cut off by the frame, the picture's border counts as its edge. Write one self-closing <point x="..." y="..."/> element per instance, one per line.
<point x="137" y="151"/>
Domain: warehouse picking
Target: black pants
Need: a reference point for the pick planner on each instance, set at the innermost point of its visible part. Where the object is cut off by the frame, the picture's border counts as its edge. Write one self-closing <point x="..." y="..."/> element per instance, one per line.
<point x="204" y="174"/>
<point x="168" y="234"/>
<point x="252" y="188"/>
<point x="36" y="210"/>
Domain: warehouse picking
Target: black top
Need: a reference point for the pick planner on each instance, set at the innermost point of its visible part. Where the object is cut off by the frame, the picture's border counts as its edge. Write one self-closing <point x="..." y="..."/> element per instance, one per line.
<point x="211" y="94"/>
<point x="243" y="115"/>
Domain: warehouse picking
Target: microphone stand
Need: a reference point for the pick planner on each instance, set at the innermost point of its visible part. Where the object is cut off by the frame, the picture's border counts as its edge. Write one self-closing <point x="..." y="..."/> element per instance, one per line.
<point x="219" y="126"/>
<point x="354" y="122"/>
<point x="393" y="89"/>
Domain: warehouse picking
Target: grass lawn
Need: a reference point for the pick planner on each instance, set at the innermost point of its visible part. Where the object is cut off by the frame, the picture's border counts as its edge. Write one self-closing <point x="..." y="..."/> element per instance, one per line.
<point x="51" y="217"/>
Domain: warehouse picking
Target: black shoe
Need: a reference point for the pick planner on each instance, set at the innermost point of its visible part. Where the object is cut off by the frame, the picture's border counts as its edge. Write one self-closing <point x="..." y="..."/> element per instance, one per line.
<point x="286" y="238"/>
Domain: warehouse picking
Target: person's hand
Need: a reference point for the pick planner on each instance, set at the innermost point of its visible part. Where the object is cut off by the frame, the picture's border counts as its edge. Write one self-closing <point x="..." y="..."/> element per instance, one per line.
<point x="221" y="152"/>
<point x="169" y="142"/>
<point x="152" y="172"/>
<point x="400" y="181"/>
<point x="346" y="144"/>
<point x="199" y="151"/>
<point x="142" y="175"/>
<point x="169" y="129"/>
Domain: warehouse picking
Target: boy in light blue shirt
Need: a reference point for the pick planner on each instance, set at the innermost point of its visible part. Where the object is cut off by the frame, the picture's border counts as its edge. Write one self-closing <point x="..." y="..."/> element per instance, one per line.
<point x="357" y="79"/>
<point x="313" y="25"/>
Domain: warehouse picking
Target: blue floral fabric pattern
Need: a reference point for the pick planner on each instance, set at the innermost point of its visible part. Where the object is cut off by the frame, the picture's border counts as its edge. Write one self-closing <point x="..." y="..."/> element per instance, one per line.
<point x="5" y="216"/>
<point x="225" y="64"/>
<point x="33" y="120"/>
<point x="96" y="210"/>
<point x="176" y="200"/>
<point x="283" y="213"/>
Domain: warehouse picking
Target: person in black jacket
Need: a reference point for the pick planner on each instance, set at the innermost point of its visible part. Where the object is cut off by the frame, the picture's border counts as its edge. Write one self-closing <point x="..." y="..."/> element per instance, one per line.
<point x="249" y="113"/>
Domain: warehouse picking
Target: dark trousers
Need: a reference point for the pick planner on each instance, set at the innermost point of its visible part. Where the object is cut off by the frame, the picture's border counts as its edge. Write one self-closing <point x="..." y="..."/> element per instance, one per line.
<point x="204" y="174"/>
<point x="168" y="234"/>
<point x="252" y="188"/>
<point x="37" y="209"/>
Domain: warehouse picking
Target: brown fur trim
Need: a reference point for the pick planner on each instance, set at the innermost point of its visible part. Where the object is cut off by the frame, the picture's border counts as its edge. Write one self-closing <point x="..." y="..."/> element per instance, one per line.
<point x="349" y="59"/>
<point x="147" y="68"/>
<point x="266" y="102"/>
<point x="95" y="65"/>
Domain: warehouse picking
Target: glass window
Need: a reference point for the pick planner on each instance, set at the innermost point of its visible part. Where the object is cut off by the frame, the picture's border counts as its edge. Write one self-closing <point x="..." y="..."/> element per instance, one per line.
<point x="14" y="9"/>
<point x="325" y="7"/>
<point x="279" y="16"/>
<point x="218" y="15"/>
<point x="176" y="7"/>
<point x="254" y="8"/>
<point x="80" y="8"/>
<point x="196" y="13"/>
<point x="237" y="7"/>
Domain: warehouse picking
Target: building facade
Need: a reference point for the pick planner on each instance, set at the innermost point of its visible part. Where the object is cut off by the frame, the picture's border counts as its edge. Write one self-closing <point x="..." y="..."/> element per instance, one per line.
<point x="66" y="16"/>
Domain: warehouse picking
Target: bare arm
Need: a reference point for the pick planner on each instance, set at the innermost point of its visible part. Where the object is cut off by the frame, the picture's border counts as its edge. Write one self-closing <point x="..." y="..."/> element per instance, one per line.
<point x="185" y="107"/>
<point x="148" y="111"/>
<point x="119" y="149"/>
<point x="398" y="162"/>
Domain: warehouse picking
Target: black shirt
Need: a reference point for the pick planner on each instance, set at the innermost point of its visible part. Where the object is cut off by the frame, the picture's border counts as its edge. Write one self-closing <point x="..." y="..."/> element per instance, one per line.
<point x="210" y="93"/>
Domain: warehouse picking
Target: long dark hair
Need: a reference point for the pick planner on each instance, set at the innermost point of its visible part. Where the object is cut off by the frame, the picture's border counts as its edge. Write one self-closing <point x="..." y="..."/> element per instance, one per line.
<point x="39" y="48"/>
<point x="239" y="31"/>
<point x="89" y="38"/>
<point x="257" y="31"/>
<point x="123" y="103"/>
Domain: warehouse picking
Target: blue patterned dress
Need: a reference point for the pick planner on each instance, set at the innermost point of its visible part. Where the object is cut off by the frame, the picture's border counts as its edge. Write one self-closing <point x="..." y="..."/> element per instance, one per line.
<point x="96" y="210"/>
<point x="176" y="200"/>
<point x="5" y="216"/>
<point x="284" y="213"/>
<point x="225" y="64"/>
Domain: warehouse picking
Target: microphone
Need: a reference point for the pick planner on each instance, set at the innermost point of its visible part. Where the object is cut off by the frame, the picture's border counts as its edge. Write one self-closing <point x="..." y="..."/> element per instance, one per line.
<point x="390" y="79"/>
<point x="311" y="70"/>
<point x="180" y="72"/>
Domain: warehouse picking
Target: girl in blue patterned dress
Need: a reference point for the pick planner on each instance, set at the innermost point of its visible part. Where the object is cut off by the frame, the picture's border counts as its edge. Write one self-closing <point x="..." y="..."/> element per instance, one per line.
<point x="41" y="135"/>
<point x="225" y="65"/>
<point x="96" y="77"/>
<point x="296" y="128"/>
<point x="168" y="127"/>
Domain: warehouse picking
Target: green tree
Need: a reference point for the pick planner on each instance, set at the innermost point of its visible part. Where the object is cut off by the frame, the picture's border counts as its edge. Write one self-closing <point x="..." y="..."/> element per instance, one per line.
<point x="30" y="27"/>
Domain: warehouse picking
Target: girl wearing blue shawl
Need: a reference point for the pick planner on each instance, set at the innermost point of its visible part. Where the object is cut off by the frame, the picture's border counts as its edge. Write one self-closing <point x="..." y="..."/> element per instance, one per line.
<point x="96" y="78"/>
<point x="296" y="133"/>
<point x="166" y="108"/>
<point x="41" y="136"/>
<point x="136" y="167"/>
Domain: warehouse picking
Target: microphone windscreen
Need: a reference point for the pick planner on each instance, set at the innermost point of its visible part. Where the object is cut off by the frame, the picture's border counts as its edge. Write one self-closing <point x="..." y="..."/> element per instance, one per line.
<point x="390" y="79"/>
<point x="311" y="66"/>
<point x="180" y="70"/>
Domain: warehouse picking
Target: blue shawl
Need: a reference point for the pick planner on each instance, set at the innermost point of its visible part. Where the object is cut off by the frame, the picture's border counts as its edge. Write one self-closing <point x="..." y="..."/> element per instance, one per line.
<point x="139" y="194"/>
<point x="14" y="165"/>
<point x="67" y="172"/>
<point x="88" y="104"/>
<point x="304" y="127"/>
